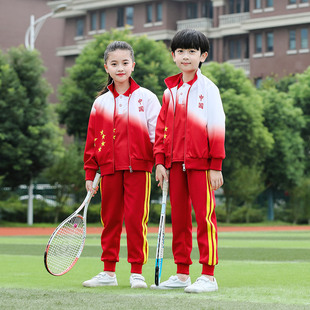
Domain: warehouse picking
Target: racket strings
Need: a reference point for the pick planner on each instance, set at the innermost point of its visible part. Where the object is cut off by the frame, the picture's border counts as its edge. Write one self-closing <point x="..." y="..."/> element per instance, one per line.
<point x="66" y="245"/>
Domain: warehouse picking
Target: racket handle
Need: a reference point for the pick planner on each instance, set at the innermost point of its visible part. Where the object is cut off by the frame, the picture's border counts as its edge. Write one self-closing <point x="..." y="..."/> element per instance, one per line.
<point x="165" y="190"/>
<point x="96" y="180"/>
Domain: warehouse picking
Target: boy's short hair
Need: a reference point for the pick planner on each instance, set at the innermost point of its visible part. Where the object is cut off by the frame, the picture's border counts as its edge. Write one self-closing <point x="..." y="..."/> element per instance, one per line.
<point x="190" y="38"/>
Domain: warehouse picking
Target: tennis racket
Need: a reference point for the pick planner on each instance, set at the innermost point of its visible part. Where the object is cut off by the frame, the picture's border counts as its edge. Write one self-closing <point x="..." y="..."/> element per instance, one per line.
<point x="161" y="236"/>
<point x="67" y="241"/>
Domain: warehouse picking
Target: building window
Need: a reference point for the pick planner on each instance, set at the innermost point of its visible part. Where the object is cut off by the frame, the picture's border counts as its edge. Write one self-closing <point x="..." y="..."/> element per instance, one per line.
<point x="231" y="6"/>
<point x="93" y="21"/>
<point x="149" y="13"/>
<point x="292" y="40"/>
<point x="246" y="5"/>
<point x="238" y="6"/>
<point x="80" y="27"/>
<point x="269" y="41"/>
<point x="258" y="4"/>
<point x="231" y="49"/>
<point x="191" y="10"/>
<point x="304" y="38"/>
<point x="258" y="82"/>
<point x="159" y="12"/>
<point x="235" y="49"/>
<point x="247" y="50"/>
<point x="120" y="17"/>
<point x="210" y="54"/>
<point x="129" y="15"/>
<point x="304" y="1"/>
<point x="102" y="20"/>
<point x="291" y="1"/>
<point x="269" y="3"/>
<point x="207" y="9"/>
<point x="258" y="43"/>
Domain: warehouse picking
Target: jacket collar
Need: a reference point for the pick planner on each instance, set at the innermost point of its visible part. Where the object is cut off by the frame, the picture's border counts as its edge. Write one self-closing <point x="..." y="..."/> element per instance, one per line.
<point x="133" y="86"/>
<point x="174" y="80"/>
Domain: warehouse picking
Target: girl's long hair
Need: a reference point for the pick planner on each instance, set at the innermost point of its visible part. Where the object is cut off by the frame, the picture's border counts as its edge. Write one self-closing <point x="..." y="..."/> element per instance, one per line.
<point x="116" y="45"/>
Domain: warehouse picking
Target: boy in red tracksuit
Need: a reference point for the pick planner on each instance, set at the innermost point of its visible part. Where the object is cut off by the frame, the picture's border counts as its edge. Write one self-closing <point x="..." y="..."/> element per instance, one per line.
<point x="120" y="137"/>
<point x="189" y="141"/>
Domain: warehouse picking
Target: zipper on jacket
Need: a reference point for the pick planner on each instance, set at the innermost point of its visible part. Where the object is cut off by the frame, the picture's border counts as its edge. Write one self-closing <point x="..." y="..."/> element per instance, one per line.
<point x="130" y="168"/>
<point x="172" y="124"/>
<point x="186" y="107"/>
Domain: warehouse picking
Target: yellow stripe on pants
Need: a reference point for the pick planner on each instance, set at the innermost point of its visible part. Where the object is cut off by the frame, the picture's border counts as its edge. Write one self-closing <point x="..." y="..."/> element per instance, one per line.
<point x="146" y="215"/>
<point x="210" y="225"/>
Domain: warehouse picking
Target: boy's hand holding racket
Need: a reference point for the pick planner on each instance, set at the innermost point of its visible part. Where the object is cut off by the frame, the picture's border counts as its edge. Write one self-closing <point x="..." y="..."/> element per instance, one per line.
<point x="161" y="174"/>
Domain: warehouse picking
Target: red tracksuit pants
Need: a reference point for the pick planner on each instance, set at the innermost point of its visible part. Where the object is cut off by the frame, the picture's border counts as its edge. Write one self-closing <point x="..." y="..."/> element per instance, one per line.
<point x="125" y="195"/>
<point x="187" y="188"/>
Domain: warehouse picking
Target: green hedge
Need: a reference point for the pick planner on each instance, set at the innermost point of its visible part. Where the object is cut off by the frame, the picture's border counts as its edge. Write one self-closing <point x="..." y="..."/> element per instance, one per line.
<point x="13" y="210"/>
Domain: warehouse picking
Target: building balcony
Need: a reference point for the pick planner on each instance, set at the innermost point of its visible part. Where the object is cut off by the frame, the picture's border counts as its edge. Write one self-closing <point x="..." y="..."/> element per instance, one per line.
<point x="241" y="64"/>
<point x="200" y="24"/>
<point x="229" y="19"/>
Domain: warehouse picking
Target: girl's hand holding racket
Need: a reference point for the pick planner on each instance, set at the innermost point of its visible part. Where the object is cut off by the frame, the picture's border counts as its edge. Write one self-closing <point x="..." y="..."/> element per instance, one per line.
<point x="89" y="187"/>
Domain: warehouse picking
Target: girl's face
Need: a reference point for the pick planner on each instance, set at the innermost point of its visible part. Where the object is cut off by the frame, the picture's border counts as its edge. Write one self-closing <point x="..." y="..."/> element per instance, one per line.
<point x="119" y="65"/>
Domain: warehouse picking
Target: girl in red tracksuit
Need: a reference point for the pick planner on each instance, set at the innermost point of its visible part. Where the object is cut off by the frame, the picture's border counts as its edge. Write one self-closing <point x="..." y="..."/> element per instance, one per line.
<point x="189" y="142"/>
<point x="120" y="137"/>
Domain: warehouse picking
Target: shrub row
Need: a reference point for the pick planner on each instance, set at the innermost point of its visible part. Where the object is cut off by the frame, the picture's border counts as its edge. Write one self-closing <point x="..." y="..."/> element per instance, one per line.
<point x="13" y="210"/>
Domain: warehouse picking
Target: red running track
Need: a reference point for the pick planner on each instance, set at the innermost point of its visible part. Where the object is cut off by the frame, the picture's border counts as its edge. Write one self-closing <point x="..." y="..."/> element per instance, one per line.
<point x="43" y="231"/>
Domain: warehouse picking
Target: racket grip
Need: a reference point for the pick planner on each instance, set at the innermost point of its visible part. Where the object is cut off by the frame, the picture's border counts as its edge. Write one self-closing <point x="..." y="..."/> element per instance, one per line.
<point x="96" y="180"/>
<point x="165" y="191"/>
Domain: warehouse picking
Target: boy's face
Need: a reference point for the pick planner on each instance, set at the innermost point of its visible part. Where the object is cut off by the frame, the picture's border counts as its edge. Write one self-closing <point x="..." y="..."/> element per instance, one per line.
<point x="188" y="60"/>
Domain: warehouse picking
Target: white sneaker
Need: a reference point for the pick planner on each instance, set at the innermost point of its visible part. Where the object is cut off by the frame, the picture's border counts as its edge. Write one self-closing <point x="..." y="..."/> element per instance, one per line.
<point x="202" y="284"/>
<point x="137" y="281"/>
<point x="102" y="279"/>
<point x="172" y="283"/>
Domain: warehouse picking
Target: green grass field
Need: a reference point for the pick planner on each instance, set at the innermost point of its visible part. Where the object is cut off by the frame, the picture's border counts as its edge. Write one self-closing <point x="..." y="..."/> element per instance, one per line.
<point x="257" y="270"/>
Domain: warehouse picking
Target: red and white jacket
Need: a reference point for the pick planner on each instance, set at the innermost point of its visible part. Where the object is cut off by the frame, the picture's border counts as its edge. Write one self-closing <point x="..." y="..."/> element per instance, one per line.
<point x="204" y="127"/>
<point x="143" y="109"/>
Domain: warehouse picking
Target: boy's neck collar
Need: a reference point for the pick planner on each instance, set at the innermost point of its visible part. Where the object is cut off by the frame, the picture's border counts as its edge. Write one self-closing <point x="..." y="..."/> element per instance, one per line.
<point x="174" y="80"/>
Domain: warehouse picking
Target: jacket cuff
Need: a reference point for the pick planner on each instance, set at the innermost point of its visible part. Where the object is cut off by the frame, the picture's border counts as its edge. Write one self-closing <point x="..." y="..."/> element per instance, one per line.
<point x="90" y="174"/>
<point x="160" y="159"/>
<point x="216" y="164"/>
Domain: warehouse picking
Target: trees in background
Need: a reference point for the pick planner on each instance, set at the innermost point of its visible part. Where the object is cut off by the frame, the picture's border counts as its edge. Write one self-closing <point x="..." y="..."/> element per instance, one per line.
<point x="267" y="130"/>
<point x="67" y="175"/>
<point x="284" y="165"/>
<point x="29" y="137"/>
<point x="88" y="76"/>
<point x="247" y="140"/>
<point x="300" y="93"/>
